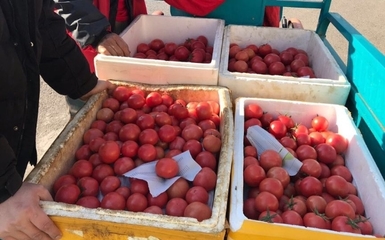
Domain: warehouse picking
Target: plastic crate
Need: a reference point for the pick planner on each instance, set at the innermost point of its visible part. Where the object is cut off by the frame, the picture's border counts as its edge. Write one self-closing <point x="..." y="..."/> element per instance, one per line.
<point x="169" y="29"/>
<point x="77" y="222"/>
<point x="330" y="86"/>
<point x="366" y="175"/>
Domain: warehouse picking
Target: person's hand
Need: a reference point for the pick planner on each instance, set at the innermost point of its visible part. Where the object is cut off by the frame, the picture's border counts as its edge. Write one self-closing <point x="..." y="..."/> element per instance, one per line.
<point x="112" y="44"/>
<point x="157" y="12"/>
<point x="100" y="86"/>
<point x="23" y="218"/>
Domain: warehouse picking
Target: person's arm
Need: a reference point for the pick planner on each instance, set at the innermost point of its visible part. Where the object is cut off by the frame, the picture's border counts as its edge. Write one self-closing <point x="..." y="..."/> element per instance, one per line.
<point x="196" y="7"/>
<point x="62" y="63"/>
<point x="83" y="20"/>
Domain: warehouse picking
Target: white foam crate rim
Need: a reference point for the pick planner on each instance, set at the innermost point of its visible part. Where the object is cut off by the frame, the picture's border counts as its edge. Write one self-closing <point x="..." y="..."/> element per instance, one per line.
<point x="366" y="175"/>
<point x="324" y="65"/>
<point x="148" y="27"/>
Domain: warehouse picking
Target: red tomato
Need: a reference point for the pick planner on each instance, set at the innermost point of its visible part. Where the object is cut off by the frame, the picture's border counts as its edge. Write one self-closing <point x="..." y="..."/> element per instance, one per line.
<point x="325" y="173"/>
<point x="197" y="55"/>
<point x="320" y="123"/>
<point x="129" y="131"/>
<point x="250" y="151"/>
<point x="109" y="184"/>
<point x="181" y="53"/>
<point x="287" y="120"/>
<point x="162" y="118"/>
<point x="176" y="207"/>
<point x="339" y="208"/>
<point x="99" y="124"/>
<point x="364" y="224"/>
<point x="280" y="174"/>
<point x="192" y="131"/>
<point x="194" y="146"/>
<point x="148" y="136"/>
<point x="153" y="210"/>
<point x="253" y="110"/>
<point x="311" y="167"/>
<point x="266" y="200"/>
<point x="306" y="152"/>
<point x="314" y="220"/>
<point x="271" y="58"/>
<point x="63" y="180"/>
<point x="139" y="186"/>
<point x="136" y="202"/>
<point x="129" y="148"/>
<point x="360" y="210"/>
<point x="105" y="114"/>
<point x="345" y="224"/>
<point x="121" y="93"/>
<point x="266" y="119"/>
<point x="178" y="189"/>
<point x="159" y="201"/>
<point x="212" y="144"/>
<point x="84" y="152"/>
<point x="197" y="194"/>
<point x="337" y="186"/>
<point x="253" y="175"/>
<point x="299" y="129"/>
<point x="273" y="186"/>
<point x="81" y="168"/>
<point x="88" y="202"/>
<point x="124" y="191"/>
<point x="203" y="39"/>
<point x="197" y="210"/>
<point x="326" y="153"/>
<point x="147" y="152"/>
<point x="102" y="171"/>
<point x="289" y="191"/>
<point x="249" y="209"/>
<point x="316" y="138"/>
<point x="296" y="204"/>
<point x="270" y="217"/>
<point x="342" y="171"/>
<point x="316" y="203"/>
<point x="169" y="48"/>
<point x="167" y="168"/>
<point x="288" y="142"/>
<point x="88" y="186"/>
<point x="123" y="165"/>
<point x="269" y="159"/>
<point x="259" y="66"/>
<point x="206" y="159"/>
<point x="252" y="122"/>
<point x="292" y="217"/>
<point x="338" y="142"/>
<point x="206" y="178"/>
<point x="264" y="49"/>
<point x="68" y="193"/>
<point x="109" y="152"/>
<point x="91" y="134"/>
<point x="277" y="129"/>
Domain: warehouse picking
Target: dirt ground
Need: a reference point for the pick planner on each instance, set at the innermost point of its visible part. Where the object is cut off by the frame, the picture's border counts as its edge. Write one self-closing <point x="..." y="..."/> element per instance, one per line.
<point x="365" y="16"/>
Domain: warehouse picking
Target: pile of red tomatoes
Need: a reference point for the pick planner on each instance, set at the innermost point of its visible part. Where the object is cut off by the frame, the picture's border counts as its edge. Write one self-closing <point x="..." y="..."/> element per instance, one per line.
<point x="267" y="60"/>
<point x="134" y="127"/>
<point x="321" y="195"/>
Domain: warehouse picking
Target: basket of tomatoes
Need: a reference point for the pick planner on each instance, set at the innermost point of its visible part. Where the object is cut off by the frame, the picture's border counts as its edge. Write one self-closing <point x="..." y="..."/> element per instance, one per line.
<point x="280" y="63"/>
<point x="330" y="196"/>
<point x="147" y="129"/>
<point x="186" y="53"/>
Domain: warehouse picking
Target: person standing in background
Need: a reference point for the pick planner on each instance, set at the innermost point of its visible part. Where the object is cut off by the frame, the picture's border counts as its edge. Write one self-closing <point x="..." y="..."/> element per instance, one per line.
<point x="33" y="43"/>
<point x="95" y="25"/>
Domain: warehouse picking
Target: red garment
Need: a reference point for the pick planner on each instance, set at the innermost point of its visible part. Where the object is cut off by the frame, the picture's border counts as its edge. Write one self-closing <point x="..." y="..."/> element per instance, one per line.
<point x="203" y="7"/>
<point x="139" y="7"/>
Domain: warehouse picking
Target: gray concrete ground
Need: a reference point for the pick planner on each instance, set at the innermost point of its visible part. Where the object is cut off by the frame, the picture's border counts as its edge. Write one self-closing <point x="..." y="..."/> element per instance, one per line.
<point x="367" y="16"/>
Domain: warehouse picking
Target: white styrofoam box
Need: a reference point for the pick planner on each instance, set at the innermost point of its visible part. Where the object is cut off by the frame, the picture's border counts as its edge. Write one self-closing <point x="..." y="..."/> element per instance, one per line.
<point x="73" y="218"/>
<point x="367" y="177"/>
<point x="330" y="86"/>
<point x="145" y="28"/>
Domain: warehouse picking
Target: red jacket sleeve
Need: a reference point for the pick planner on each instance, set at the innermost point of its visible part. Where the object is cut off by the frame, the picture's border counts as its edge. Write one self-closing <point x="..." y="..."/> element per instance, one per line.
<point x="196" y="7"/>
<point x="272" y="16"/>
<point x="139" y="7"/>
